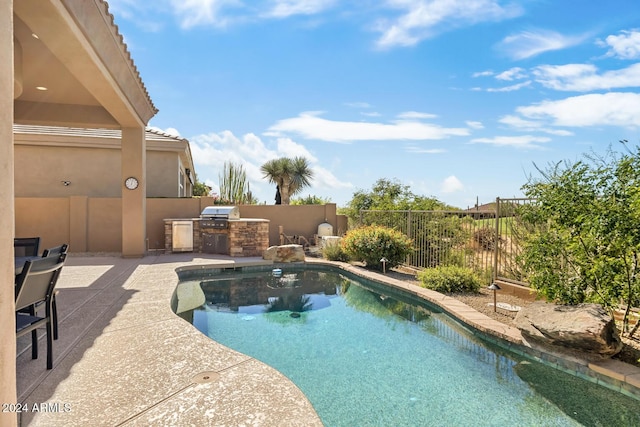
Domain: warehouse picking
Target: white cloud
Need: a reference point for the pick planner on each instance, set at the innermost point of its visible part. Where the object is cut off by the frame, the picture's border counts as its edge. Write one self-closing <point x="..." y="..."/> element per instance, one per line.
<point x="611" y="109"/>
<point x="422" y="19"/>
<point x="358" y="104"/>
<point x="624" y="46"/>
<point x="451" y="184"/>
<point x="585" y="77"/>
<point x="371" y="114"/>
<point x="323" y="178"/>
<point x="511" y="88"/>
<point x="310" y="126"/>
<point x="211" y="151"/>
<point x="483" y="74"/>
<point x="293" y="149"/>
<point x="521" y="124"/>
<point x="515" y="73"/>
<point x="411" y="148"/>
<point x="286" y="8"/>
<point x="474" y="125"/>
<point x="416" y="115"/>
<point x="531" y="43"/>
<point x="522" y="141"/>
<point x="203" y="12"/>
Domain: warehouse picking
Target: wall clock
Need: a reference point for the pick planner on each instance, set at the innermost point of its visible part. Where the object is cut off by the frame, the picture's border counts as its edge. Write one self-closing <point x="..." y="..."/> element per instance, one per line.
<point x="131" y="183"/>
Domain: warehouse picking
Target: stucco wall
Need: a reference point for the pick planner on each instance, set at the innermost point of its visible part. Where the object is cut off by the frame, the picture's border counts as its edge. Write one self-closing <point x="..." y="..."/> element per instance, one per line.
<point x="44" y="217"/>
<point x="162" y="174"/>
<point x="104" y="225"/>
<point x="302" y="220"/>
<point x="41" y="170"/>
<point x="94" y="224"/>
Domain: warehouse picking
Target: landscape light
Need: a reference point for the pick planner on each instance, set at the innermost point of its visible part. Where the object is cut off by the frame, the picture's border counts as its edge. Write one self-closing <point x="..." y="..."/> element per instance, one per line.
<point x="494" y="287"/>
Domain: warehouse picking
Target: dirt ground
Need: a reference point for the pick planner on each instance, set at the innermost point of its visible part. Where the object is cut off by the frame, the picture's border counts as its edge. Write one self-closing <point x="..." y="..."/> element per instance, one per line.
<point x="483" y="302"/>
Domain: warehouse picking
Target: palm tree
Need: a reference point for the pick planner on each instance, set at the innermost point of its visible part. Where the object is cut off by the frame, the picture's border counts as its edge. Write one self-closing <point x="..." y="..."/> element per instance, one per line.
<point x="289" y="175"/>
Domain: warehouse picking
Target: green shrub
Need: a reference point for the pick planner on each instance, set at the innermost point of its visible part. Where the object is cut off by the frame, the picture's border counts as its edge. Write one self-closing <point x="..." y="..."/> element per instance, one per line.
<point x="371" y="243"/>
<point x="334" y="252"/>
<point x="449" y="279"/>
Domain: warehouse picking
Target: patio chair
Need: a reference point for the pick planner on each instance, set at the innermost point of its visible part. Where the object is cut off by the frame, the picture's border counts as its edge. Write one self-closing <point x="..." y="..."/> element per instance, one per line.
<point x="62" y="249"/>
<point x="57" y="250"/>
<point x="26" y="246"/>
<point x="36" y="285"/>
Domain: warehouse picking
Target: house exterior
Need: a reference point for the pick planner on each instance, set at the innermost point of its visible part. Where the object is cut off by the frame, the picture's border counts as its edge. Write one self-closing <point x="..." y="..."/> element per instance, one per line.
<point x="55" y="161"/>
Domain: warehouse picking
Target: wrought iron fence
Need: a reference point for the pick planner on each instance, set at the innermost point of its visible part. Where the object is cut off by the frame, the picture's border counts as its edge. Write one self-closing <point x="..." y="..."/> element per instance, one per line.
<point x="510" y="233"/>
<point x="464" y="238"/>
<point x="488" y="241"/>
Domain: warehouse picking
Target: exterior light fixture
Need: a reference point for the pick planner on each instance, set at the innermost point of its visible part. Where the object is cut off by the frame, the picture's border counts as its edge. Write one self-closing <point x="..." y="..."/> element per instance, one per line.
<point x="42" y="88"/>
<point x="384" y="264"/>
<point x="66" y="183"/>
<point x="494" y="287"/>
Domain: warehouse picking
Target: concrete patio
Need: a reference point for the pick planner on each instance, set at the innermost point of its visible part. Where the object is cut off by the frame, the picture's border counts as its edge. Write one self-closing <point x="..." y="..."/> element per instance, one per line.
<point x="125" y="358"/>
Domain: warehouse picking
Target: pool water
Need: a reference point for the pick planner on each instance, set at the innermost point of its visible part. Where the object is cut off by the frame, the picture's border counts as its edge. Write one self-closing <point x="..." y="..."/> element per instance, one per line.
<point x="367" y="359"/>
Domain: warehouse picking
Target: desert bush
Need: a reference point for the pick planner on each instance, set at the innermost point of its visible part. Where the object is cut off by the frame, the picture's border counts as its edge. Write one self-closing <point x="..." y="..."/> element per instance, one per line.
<point x="586" y="247"/>
<point x="371" y="243"/>
<point x="334" y="252"/>
<point x="449" y="279"/>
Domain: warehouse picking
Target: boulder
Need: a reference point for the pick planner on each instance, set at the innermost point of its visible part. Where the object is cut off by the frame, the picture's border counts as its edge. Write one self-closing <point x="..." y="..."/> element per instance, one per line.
<point x="284" y="253"/>
<point x="585" y="329"/>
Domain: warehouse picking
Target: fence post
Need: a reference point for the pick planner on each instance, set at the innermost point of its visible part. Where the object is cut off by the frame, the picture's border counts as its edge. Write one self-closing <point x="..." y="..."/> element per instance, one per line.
<point x="497" y="241"/>
<point x="408" y="259"/>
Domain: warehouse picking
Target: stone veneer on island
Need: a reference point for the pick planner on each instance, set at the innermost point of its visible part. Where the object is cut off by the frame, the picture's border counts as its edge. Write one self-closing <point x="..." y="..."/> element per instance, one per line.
<point x="245" y="237"/>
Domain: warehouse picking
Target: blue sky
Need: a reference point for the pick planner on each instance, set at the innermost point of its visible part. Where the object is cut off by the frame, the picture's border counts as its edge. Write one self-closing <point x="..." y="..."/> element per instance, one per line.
<point x="459" y="99"/>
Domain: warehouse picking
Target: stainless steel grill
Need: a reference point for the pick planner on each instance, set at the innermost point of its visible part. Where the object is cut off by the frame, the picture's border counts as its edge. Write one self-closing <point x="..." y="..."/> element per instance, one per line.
<point x="217" y="217"/>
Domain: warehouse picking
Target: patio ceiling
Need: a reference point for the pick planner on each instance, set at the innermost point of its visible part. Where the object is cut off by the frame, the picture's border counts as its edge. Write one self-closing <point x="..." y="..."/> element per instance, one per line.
<point x="74" y="50"/>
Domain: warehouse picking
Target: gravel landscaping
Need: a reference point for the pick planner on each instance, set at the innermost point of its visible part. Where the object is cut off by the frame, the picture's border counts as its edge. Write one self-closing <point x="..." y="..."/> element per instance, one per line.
<point x="483" y="302"/>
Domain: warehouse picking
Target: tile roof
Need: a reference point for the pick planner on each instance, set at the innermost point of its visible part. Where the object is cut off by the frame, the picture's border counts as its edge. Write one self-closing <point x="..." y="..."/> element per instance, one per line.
<point x="151" y="134"/>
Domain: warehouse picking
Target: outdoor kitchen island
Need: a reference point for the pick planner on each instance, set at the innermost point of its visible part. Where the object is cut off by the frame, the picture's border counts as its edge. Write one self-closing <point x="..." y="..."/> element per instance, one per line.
<point x="219" y="230"/>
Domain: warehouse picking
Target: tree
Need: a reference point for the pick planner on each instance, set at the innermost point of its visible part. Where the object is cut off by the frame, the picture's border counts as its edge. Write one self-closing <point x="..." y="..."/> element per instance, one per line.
<point x="310" y="200"/>
<point x="389" y="194"/>
<point x="234" y="187"/>
<point x="289" y="175"/>
<point x="440" y="234"/>
<point x="586" y="247"/>
<point x="201" y="189"/>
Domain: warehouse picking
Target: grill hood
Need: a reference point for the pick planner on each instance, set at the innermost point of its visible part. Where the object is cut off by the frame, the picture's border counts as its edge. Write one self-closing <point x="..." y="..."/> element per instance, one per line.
<point x="221" y="212"/>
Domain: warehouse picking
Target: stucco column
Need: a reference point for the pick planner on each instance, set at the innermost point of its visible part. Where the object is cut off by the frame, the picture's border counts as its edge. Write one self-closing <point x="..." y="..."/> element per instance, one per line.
<point x="134" y="208"/>
<point x="7" y="218"/>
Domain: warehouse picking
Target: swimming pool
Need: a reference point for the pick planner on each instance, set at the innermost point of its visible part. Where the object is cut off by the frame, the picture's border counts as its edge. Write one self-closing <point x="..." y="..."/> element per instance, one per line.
<point x="364" y="355"/>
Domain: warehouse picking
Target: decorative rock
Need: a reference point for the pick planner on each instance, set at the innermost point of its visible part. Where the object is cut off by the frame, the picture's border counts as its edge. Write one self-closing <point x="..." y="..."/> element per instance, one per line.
<point x="583" y="328"/>
<point x="284" y="253"/>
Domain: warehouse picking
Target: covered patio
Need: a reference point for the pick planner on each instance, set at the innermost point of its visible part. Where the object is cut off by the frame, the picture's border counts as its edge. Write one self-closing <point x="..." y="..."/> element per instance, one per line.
<point x="65" y="64"/>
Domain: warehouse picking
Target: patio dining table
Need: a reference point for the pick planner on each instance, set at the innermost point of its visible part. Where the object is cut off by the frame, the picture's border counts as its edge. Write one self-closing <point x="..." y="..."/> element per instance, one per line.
<point x="20" y="261"/>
